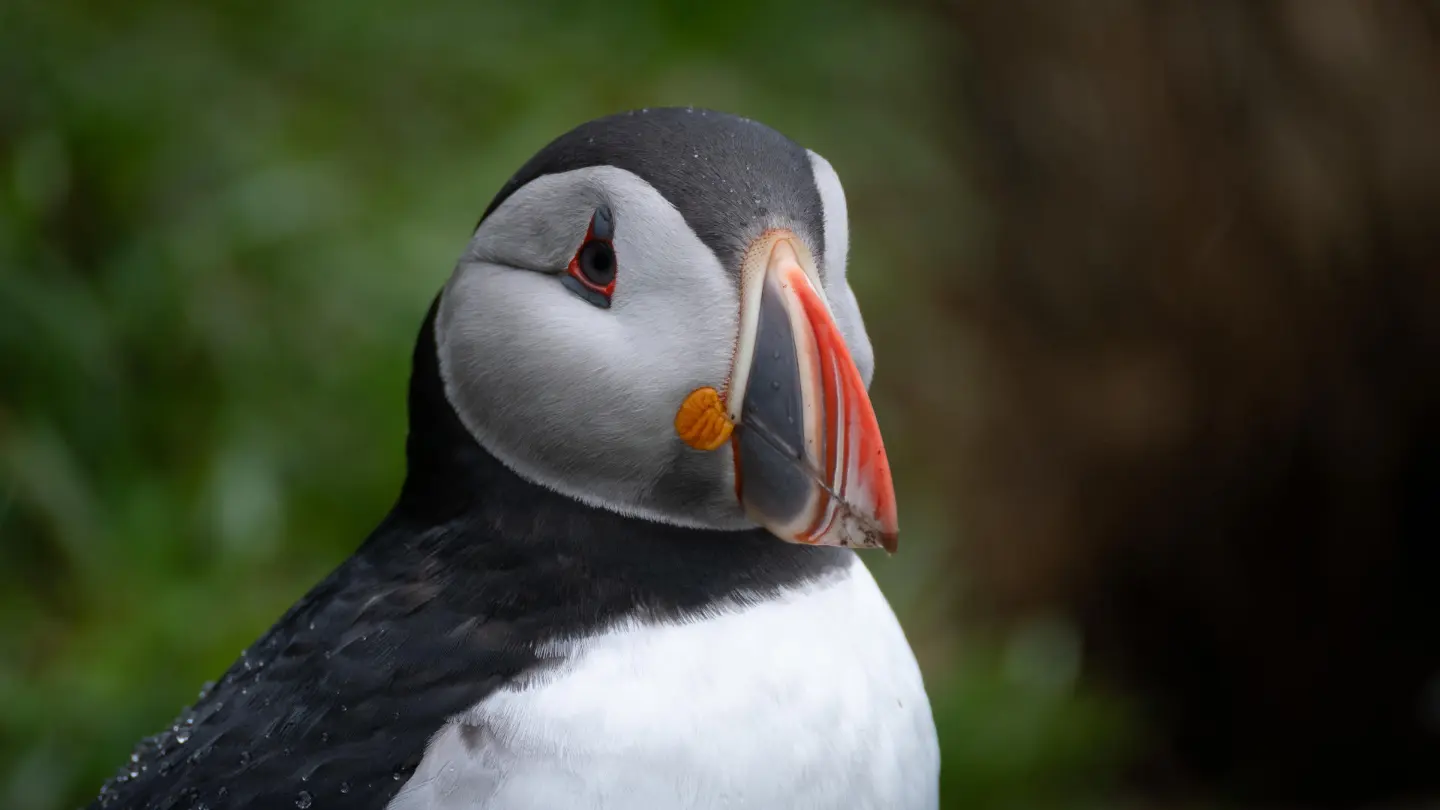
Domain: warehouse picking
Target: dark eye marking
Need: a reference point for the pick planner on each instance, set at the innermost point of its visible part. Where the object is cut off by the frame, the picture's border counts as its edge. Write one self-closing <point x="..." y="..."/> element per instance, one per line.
<point x="602" y="225"/>
<point x="591" y="274"/>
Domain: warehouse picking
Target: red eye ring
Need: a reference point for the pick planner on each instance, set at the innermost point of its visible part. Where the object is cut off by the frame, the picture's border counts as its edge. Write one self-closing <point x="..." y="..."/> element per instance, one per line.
<point x="592" y="270"/>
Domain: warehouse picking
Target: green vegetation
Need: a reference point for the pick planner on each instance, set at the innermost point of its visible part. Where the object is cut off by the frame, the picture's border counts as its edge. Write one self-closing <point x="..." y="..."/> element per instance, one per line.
<point x="220" y="226"/>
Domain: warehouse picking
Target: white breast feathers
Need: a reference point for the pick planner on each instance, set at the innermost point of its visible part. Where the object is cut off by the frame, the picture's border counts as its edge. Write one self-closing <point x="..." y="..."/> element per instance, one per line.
<point x="811" y="699"/>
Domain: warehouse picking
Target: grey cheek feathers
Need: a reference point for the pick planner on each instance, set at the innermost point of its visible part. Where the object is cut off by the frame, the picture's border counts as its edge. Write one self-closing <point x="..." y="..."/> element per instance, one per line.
<point x="539" y="229"/>
<point x="579" y="399"/>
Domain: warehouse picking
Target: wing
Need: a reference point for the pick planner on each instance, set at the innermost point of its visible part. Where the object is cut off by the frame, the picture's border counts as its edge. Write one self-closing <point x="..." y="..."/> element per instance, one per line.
<point x="335" y="704"/>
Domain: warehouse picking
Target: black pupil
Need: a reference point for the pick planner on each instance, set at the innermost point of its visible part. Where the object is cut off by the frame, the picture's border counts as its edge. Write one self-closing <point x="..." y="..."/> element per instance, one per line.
<point x="597" y="262"/>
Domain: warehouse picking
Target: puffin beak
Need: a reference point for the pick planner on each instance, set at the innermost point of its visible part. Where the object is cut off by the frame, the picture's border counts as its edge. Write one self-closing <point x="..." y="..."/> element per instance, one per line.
<point x="809" y="462"/>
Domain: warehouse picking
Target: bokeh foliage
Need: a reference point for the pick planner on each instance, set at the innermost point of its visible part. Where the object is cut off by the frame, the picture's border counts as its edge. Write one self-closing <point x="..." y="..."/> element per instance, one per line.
<point x="220" y="225"/>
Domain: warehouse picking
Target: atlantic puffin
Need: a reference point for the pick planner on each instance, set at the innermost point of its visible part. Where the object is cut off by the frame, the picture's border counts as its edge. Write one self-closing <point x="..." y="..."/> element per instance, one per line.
<point x="620" y="572"/>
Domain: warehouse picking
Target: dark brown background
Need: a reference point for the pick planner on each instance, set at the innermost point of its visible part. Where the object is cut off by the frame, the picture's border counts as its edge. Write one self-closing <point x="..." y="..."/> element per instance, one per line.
<point x="1209" y="308"/>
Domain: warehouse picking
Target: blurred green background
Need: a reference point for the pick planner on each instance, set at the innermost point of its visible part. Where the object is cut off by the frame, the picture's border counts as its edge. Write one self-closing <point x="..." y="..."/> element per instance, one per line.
<point x="220" y="227"/>
<point x="1150" y="285"/>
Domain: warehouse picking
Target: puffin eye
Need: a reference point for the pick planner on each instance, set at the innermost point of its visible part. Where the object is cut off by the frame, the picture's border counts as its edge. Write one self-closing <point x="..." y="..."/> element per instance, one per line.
<point x="591" y="274"/>
<point x="597" y="263"/>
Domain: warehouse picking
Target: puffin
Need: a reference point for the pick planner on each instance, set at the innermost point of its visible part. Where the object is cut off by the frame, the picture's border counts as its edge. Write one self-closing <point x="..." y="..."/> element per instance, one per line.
<point x="622" y="570"/>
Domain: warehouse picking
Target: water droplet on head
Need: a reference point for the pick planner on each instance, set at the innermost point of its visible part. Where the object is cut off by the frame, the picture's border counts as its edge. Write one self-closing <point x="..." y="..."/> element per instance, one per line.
<point x="244" y="758"/>
<point x="304" y="800"/>
<point x="324" y="736"/>
<point x="344" y="787"/>
<point x="775" y="385"/>
<point x="182" y="735"/>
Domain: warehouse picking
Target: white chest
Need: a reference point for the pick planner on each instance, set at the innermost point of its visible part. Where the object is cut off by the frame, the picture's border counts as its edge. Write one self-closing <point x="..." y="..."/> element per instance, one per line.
<point x="812" y="700"/>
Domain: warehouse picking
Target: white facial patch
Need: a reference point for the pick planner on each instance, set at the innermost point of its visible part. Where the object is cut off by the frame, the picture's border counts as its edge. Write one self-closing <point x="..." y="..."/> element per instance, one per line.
<point x="579" y="398"/>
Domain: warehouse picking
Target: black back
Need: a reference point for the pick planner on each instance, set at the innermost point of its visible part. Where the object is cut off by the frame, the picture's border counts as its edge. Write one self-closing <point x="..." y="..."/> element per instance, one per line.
<point x="446" y="601"/>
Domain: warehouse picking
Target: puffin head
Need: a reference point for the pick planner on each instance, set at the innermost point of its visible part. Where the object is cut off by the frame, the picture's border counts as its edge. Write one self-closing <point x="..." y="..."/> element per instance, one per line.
<point x="652" y="317"/>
